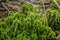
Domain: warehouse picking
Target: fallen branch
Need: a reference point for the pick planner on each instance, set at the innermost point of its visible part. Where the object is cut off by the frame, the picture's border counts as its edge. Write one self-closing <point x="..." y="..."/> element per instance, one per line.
<point x="56" y="3"/>
<point x="5" y="6"/>
<point x="13" y="7"/>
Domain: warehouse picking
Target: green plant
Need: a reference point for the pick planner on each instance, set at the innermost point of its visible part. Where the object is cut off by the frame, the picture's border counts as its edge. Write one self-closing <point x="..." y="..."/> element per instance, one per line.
<point x="53" y="19"/>
<point x="24" y="27"/>
<point x="25" y="8"/>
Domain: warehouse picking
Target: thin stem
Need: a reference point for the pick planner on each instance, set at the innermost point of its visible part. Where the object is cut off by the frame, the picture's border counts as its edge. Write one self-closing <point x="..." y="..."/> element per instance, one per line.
<point x="45" y="13"/>
<point x="56" y="3"/>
